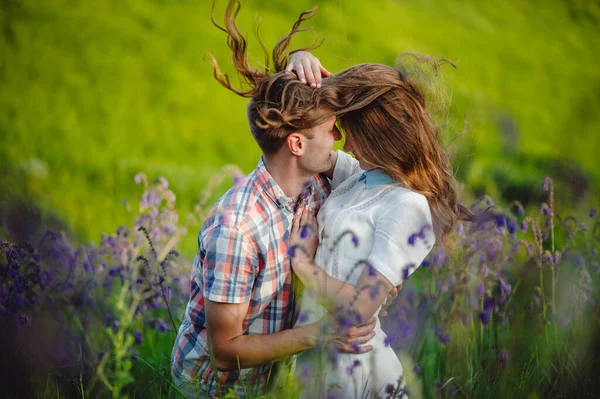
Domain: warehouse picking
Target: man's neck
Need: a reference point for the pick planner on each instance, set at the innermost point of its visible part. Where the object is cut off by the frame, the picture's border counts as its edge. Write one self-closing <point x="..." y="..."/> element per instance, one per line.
<point x="287" y="174"/>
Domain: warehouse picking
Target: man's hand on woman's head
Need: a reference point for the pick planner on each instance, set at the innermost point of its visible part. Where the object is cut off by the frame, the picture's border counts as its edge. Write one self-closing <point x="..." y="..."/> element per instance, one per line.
<point x="308" y="68"/>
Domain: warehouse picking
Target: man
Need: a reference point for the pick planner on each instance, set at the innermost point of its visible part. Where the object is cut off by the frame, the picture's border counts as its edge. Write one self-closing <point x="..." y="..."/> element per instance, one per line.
<point x="240" y="316"/>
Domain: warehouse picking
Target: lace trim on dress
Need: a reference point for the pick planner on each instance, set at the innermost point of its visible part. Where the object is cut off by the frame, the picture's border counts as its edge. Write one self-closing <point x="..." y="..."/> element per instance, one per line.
<point x="343" y="189"/>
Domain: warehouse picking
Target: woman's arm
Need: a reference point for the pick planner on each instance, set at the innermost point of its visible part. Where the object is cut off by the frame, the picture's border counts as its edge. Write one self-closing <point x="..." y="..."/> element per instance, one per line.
<point x="363" y="299"/>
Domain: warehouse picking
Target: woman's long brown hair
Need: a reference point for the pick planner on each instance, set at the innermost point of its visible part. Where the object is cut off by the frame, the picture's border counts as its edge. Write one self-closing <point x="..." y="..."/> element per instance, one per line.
<point x="384" y="115"/>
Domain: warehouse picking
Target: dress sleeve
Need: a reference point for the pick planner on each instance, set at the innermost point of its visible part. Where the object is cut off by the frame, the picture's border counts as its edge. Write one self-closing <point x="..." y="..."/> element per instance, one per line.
<point x="229" y="264"/>
<point x="403" y="238"/>
<point x="345" y="167"/>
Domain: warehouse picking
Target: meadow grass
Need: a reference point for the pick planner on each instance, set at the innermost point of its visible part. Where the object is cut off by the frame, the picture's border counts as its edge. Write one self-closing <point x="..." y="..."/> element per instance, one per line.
<point x="92" y="93"/>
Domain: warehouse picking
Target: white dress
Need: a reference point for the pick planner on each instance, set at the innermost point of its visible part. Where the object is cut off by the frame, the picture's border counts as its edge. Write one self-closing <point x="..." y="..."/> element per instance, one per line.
<point x="392" y="227"/>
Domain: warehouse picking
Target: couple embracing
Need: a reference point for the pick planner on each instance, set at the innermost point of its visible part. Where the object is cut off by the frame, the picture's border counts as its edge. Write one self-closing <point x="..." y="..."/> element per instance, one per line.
<point x="300" y="256"/>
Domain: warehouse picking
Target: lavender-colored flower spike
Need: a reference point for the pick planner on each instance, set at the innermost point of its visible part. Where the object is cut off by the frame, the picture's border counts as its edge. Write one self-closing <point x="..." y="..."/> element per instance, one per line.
<point x="593" y="213"/>
<point x="546" y="183"/>
<point x="484" y="317"/>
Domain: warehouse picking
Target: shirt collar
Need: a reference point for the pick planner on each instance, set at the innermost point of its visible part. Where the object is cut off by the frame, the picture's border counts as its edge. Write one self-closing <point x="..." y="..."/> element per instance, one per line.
<point x="374" y="178"/>
<point x="274" y="191"/>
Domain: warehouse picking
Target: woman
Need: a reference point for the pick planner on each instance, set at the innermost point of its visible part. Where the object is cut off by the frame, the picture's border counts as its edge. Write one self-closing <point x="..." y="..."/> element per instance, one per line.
<point x="376" y="227"/>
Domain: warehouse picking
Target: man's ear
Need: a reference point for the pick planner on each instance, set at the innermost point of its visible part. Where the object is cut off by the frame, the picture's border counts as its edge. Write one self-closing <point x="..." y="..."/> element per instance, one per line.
<point x="295" y="143"/>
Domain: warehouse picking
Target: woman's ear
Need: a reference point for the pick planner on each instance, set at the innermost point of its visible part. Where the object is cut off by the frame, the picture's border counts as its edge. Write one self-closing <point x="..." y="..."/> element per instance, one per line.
<point x="295" y="143"/>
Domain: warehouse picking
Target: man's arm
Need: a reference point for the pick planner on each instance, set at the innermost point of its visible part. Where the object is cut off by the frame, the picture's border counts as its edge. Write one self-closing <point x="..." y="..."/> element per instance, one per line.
<point x="232" y="350"/>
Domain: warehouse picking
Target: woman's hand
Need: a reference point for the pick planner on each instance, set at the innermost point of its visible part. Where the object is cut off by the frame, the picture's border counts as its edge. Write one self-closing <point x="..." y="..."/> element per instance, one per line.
<point x="303" y="238"/>
<point x="308" y="68"/>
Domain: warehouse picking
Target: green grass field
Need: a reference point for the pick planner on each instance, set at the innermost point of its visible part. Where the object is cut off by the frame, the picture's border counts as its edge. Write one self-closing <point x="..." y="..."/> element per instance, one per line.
<point x="93" y="92"/>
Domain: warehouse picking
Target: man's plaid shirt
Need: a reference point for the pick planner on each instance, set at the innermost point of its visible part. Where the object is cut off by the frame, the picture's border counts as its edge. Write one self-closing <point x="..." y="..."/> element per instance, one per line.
<point x="242" y="257"/>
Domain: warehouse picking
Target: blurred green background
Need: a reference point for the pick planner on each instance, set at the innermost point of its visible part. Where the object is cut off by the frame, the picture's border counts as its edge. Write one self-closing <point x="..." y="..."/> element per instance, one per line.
<point x="92" y="92"/>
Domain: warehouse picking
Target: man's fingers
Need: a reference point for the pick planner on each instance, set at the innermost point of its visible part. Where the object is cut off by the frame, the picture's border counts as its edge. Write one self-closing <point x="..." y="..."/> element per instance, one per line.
<point x="349" y="348"/>
<point x="363" y="339"/>
<point x="362" y="329"/>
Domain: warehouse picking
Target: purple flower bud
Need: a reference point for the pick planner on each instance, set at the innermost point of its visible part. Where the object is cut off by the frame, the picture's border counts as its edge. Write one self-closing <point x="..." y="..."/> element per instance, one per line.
<point x="500" y="221"/>
<point x="593" y="213"/>
<point x="548" y="223"/>
<point x="544" y="236"/>
<point x="302" y="317"/>
<point x="372" y="271"/>
<point x="304" y="231"/>
<point x="237" y="178"/>
<point x="291" y="251"/>
<point x="488" y="304"/>
<point x="520" y="211"/>
<point x="412" y="239"/>
<point x="524" y="226"/>
<point x="138" y="337"/>
<point x="546" y="183"/>
<point x="480" y="290"/>
<point x="459" y="228"/>
<point x="417" y="369"/>
<point x="162" y="326"/>
<point x="442" y="336"/>
<point x="512" y="226"/>
<point x="546" y="210"/>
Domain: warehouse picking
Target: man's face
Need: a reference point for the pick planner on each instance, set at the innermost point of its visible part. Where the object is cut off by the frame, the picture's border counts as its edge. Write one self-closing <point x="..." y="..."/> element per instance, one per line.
<point x="317" y="157"/>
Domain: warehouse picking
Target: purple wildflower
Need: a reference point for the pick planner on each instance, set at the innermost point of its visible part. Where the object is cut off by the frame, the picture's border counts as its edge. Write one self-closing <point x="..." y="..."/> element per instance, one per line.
<point x="372" y="271"/>
<point x="488" y="304"/>
<point x="417" y="369"/>
<point x="162" y="326"/>
<point x="237" y="178"/>
<point x="304" y="231"/>
<point x="500" y="221"/>
<point x="484" y="317"/>
<point x="138" y="337"/>
<point x="524" y="226"/>
<point x="593" y="213"/>
<point x="291" y="251"/>
<point x="480" y="290"/>
<point x="546" y="183"/>
<point x="512" y="226"/>
<point x="442" y="336"/>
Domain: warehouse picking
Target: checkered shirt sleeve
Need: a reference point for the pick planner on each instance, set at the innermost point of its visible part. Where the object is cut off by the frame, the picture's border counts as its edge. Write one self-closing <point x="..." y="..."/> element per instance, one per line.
<point x="230" y="264"/>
